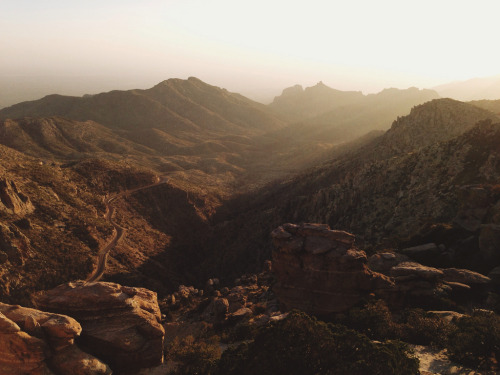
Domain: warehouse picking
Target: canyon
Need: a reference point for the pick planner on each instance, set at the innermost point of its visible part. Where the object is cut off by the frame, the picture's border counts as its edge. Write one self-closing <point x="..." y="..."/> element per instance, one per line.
<point x="147" y="194"/>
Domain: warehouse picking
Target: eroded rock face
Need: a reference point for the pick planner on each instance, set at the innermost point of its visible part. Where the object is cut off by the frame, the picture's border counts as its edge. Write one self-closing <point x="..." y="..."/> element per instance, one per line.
<point x="31" y="341"/>
<point x="320" y="270"/>
<point x="13" y="201"/>
<point x="120" y="324"/>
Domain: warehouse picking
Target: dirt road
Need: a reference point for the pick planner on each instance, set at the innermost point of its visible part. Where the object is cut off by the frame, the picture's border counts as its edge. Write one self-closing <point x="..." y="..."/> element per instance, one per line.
<point x="118" y="231"/>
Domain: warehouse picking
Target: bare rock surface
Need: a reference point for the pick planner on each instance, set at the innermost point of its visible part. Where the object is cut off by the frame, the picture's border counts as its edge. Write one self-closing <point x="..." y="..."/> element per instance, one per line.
<point x="12" y="200"/>
<point x="20" y="353"/>
<point x="414" y="280"/>
<point x="60" y="330"/>
<point x="464" y="276"/>
<point x="320" y="270"/>
<point x="31" y="341"/>
<point x="416" y="269"/>
<point x="120" y="324"/>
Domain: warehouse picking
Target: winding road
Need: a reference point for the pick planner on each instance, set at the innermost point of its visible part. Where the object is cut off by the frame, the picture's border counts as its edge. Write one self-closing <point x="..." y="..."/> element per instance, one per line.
<point x="118" y="231"/>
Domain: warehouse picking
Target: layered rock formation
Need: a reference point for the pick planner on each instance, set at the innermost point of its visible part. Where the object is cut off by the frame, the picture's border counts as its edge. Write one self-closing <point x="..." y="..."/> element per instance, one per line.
<point x="31" y="341"/>
<point x="320" y="270"/>
<point x="416" y="283"/>
<point x="120" y="324"/>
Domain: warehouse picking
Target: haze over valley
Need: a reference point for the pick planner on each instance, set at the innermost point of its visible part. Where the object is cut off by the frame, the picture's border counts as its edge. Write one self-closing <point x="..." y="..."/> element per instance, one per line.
<point x="195" y="188"/>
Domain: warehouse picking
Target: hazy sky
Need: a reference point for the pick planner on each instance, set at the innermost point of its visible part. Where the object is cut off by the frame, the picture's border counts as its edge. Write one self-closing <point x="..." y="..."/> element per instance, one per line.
<point x="248" y="46"/>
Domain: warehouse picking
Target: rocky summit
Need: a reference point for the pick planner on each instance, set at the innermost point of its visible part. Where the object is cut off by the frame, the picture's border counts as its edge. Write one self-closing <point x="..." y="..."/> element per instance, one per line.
<point x="320" y="270"/>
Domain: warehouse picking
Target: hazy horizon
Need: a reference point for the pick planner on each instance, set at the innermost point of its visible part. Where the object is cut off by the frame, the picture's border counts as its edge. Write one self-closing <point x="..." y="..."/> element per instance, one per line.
<point x="256" y="49"/>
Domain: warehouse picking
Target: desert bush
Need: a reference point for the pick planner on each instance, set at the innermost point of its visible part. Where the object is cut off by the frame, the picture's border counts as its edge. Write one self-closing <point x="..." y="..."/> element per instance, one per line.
<point x="476" y="341"/>
<point x="374" y="320"/>
<point x="195" y="356"/>
<point x="302" y="345"/>
<point x="422" y="328"/>
<point x="412" y="325"/>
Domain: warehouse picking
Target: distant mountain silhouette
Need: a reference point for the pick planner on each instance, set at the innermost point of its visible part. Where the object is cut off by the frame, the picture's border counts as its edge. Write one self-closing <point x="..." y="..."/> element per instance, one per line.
<point x="296" y="104"/>
<point x="310" y="137"/>
<point x="174" y="106"/>
<point x="472" y="89"/>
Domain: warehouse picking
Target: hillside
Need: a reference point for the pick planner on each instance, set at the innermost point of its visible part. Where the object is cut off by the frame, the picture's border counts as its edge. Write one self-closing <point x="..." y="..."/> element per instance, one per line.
<point x="308" y="142"/>
<point x="387" y="191"/>
<point x="490" y="105"/>
<point x="59" y="137"/>
<point x="372" y="112"/>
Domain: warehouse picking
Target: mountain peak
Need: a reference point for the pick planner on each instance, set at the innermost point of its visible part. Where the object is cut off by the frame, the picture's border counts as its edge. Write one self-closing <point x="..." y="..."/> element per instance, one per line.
<point x="435" y="121"/>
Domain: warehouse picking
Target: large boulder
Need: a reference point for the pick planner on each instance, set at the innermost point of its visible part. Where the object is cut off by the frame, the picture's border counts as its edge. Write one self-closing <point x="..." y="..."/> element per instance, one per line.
<point x="422" y="284"/>
<point x="320" y="270"/>
<point x="60" y="330"/>
<point x="464" y="276"/>
<point x="21" y="353"/>
<point x="31" y="341"/>
<point x="121" y="325"/>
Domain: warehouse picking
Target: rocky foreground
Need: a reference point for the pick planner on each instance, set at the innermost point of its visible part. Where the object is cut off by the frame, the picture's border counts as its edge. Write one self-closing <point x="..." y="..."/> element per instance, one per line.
<point x="321" y="271"/>
<point x="96" y="328"/>
<point x="120" y="325"/>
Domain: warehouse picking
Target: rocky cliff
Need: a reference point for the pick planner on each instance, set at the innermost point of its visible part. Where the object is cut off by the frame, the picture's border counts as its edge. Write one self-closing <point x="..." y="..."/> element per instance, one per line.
<point x="320" y="271"/>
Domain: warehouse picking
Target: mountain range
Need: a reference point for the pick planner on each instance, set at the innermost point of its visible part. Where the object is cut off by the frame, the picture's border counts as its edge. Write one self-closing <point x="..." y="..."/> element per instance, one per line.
<point x="195" y="178"/>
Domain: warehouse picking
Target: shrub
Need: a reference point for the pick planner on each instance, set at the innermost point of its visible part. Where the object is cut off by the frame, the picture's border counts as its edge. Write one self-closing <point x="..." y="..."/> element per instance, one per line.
<point x="413" y="325"/>
<point x="195" y="357"/>
<point x="302" y="345"/>
<point x="476" y="341"/>
<point x="374" y="320"/>
<point x="422" y="328"/>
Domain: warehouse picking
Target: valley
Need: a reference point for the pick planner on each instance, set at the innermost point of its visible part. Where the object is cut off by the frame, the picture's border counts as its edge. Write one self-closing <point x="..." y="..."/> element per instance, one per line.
<point x="165" y="188"/>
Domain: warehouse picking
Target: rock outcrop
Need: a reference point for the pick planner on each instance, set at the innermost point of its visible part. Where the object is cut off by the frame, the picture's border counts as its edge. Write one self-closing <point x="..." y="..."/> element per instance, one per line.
<point x="121" y="325"/>
<point x="31" y="341"/>
<point x="20" y="353"/>
<point x="320" y="270"/>
<point x="12" y="200"/>
<point x="418" y="283"/>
